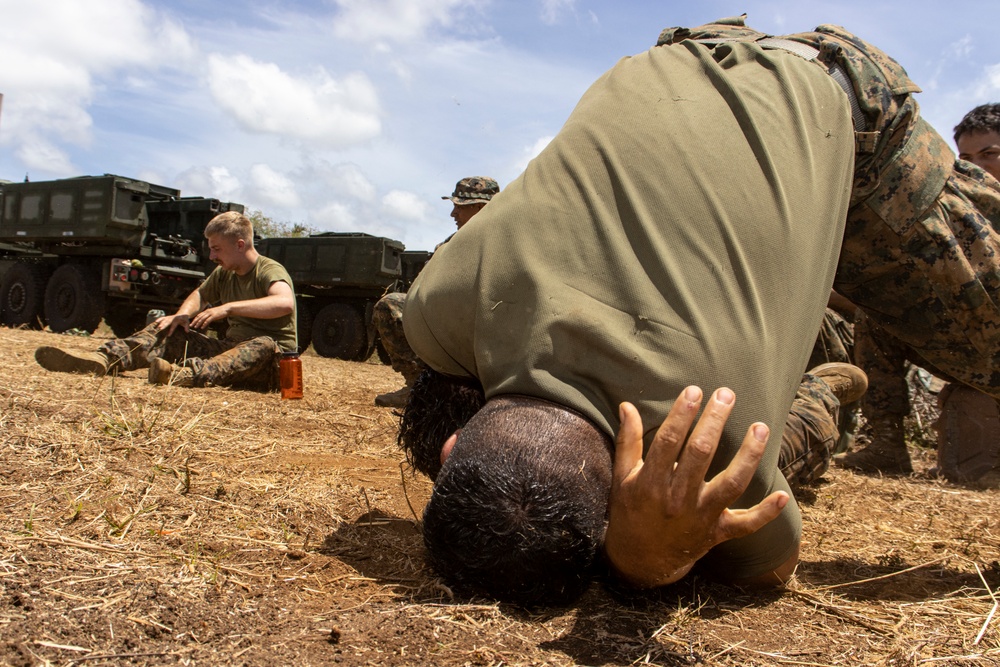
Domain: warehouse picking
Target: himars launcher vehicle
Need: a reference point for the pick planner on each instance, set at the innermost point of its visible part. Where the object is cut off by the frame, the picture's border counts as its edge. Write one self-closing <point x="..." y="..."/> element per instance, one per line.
<point x="77" y="250"/>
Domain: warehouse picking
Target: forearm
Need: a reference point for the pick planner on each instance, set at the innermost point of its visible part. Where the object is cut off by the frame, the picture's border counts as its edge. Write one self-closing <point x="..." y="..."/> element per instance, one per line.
<point x="264" y="308"/>
<point x="191" y="305"/>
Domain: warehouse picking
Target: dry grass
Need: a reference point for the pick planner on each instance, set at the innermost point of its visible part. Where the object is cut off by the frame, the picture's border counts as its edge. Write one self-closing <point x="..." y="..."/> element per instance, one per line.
<point x="150" y="525"/>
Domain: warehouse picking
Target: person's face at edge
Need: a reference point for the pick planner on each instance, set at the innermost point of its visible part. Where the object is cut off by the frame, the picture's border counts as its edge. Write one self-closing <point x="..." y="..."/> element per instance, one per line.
<point x="981" y="149"/>
<point x="462" y="213"/>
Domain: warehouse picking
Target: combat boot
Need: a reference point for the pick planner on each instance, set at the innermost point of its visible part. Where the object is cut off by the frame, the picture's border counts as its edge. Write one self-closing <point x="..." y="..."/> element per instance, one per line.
<point x="846" y="381"/>
<point x="163" y="372"/>
<point x="886" y="453"/>
<point x="63" y="361"/>
<point x="394" y="399"/>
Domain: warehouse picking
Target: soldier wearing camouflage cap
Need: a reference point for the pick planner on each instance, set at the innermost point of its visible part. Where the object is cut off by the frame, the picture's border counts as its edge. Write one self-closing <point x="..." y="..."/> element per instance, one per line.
<point x="470" y="196"/>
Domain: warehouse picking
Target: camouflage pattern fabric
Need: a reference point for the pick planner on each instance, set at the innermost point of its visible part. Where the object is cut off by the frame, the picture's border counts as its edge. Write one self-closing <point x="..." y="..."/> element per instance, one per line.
<point x="835" y="341"/>
<point x="474" y="190"/>
<point x="388" y="319"/>
<point x="885" y="361"/>
<point x="921" y="254"/>
<point x="811" y="433"/>
<point x="249" y="364"/>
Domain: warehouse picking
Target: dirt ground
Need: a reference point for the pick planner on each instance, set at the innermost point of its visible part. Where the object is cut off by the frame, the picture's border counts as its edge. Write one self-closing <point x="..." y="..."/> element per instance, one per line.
<point x="148" y="525"/>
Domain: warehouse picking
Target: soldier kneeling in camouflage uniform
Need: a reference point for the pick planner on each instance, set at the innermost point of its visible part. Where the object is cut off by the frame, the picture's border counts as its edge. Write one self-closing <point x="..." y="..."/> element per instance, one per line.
<point x="470" y="196"/>
<point x="252" y="291"/>
<point x="969" y="426"/>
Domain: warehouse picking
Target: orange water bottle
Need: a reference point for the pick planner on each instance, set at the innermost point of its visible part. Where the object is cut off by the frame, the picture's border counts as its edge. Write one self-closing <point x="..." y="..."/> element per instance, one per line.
<point x="290" y="373"/>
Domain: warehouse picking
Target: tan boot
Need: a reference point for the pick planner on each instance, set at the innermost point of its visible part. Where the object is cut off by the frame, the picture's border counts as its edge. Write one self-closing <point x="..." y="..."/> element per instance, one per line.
<point x="63" y="361"/>
<point x="163" y="372"/>
<point x="847" y="382"/>
<point x="394" y="399"/>
<point x="886" y="453"/>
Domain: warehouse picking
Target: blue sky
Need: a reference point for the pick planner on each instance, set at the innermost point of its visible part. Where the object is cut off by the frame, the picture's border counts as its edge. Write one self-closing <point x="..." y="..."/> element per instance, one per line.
<point x="357" y="115"/>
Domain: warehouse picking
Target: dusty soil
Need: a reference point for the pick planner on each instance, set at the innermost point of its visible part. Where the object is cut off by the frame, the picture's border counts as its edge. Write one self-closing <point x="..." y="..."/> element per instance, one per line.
<point x="156" y="525"/>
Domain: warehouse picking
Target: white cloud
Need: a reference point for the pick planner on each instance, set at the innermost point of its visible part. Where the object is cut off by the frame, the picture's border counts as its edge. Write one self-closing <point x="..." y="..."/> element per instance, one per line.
<point x="215" y="182"/>
<point x="314" y="108"/>
<point x="397" y="20"/>
<point x="531" y="152"/>
<point x="552" y="10"/>
<point x="272" y="187"/>
<point x="961" y="48"/>
<point x="345" y="179"/>
<point x="334" y="216"/>
<point x="57" y="53"/>
<point x="405" y="205"/>
<point x="44" y="156"/>
<point x="992" y="80"/>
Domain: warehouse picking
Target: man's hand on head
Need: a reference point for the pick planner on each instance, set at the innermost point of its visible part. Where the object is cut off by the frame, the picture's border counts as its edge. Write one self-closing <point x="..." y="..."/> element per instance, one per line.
<point x="663" y="516"/>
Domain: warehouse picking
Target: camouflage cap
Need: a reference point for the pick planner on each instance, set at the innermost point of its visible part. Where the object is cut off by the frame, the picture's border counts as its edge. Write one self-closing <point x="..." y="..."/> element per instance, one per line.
<point x="474" y="190"/>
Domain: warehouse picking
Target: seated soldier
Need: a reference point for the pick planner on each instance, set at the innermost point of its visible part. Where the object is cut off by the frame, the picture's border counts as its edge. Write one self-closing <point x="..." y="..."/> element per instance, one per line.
<point x="253" y="292"/>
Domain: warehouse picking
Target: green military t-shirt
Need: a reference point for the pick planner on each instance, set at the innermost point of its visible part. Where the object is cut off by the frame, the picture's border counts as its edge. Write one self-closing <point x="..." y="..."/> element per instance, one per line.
<point x="224" y="286"/>
<point x="682" y="228"/>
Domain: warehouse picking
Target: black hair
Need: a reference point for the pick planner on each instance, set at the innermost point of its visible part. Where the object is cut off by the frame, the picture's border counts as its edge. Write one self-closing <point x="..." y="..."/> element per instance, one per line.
<point x="984" y="118"/>
<point x="518" y="510"/>
<point x="438" y="406"/>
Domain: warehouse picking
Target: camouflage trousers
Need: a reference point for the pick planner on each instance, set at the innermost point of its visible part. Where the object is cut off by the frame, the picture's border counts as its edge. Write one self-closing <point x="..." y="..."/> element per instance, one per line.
<point x="248" y="364"/>
<point x="811" y="433"/>
<point x="388" y="319"/>
<point x="835" y="341"/>
<point x="817" y="422"/>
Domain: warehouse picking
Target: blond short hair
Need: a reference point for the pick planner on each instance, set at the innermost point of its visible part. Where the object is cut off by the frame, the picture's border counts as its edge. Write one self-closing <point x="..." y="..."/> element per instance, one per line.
<point x="231" y="225"/>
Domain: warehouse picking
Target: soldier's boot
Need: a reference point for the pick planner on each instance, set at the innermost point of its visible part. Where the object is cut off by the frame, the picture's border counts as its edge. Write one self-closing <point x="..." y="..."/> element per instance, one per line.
<point x="399" y="398"/>
<point x="846" y="381"/>
<point x="968" y="437"/>
<point x="65" y="361"/>
<point x="886" y="453"/>
<point x="394" y="399"/>
<point x="163" y="372"/>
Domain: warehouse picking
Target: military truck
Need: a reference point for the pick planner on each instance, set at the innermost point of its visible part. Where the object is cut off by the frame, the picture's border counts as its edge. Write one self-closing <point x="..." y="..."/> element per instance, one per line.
<point x="338" y="278"/>
<point x="79" y="249"/>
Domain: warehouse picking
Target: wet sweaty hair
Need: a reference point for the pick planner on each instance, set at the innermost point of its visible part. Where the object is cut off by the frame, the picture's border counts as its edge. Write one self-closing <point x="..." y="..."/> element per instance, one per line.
<point x="518" y="509"/>
<point x="438" y="406"/>
<point x="984" y="118"/>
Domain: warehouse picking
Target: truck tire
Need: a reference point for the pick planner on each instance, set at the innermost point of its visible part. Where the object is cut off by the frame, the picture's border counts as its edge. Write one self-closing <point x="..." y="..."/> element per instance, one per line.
<point x="303" y="324"/>
<point x="339" y="331"/>
<point x="22" y="295"/>
<point x="73" y="299"/>
<point x="125" y="321"/>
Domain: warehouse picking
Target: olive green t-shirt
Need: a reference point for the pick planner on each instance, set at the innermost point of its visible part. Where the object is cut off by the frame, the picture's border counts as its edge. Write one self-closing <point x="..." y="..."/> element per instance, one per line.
<point x="682" y="228"/>
<point x="224" y="286"/>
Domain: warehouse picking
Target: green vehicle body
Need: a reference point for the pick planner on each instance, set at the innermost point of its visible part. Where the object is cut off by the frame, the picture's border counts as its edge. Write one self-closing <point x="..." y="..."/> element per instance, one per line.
<point x="339" y="276"/>
<point x="76" y="250"/>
